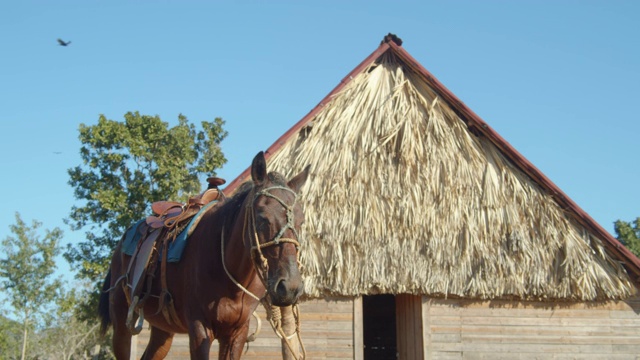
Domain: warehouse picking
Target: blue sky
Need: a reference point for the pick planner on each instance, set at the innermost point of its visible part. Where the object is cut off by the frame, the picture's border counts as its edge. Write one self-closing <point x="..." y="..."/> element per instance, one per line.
<point x="559" y="80"/>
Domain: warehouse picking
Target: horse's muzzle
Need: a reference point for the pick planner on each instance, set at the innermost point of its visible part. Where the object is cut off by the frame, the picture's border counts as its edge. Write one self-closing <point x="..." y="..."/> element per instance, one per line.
<point x="286" y="288"/>
<point x="284" y="293"/>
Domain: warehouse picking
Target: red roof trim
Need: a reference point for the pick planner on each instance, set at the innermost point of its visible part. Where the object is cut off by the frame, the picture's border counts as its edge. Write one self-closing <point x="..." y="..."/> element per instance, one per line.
<point x="631" y="262"/>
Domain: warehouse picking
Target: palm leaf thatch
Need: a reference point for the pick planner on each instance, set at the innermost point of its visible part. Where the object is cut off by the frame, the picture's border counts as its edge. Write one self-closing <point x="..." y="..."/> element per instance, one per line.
<point x="406" y="199"/>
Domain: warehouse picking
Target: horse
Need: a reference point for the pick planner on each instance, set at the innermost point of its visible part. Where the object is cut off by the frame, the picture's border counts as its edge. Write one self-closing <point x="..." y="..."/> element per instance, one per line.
<point x="243" y="250"/>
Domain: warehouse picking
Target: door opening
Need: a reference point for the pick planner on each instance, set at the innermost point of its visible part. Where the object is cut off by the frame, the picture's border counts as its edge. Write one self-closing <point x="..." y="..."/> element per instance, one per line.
<point x="379" y="327"/>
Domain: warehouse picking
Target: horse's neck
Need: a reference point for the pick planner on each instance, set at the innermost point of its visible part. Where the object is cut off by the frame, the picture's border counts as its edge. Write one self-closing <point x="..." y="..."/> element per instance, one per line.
<point x="237" y="249"/>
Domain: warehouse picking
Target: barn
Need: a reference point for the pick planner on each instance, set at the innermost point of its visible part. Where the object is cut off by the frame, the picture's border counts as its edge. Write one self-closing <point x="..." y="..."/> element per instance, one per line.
<point x="428" y="236"/>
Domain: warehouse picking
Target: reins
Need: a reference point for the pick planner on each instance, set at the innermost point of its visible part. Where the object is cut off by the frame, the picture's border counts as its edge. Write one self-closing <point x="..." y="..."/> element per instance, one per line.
<point x="256" y="247"/>
<point x="262" y="267"/>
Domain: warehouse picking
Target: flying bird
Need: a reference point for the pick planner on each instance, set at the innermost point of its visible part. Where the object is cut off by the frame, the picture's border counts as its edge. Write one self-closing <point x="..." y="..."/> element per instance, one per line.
<point x="63" y="43"/>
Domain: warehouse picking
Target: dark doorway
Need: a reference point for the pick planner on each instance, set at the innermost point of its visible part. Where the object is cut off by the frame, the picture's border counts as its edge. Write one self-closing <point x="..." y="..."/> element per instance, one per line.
<point x="379" y="327"/>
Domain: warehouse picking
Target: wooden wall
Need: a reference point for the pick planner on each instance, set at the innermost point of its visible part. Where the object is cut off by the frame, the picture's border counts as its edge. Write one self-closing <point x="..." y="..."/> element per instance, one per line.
<point x="410" y="331"/>
<point x="462" y="329"/>
<point x="327" y="333"/>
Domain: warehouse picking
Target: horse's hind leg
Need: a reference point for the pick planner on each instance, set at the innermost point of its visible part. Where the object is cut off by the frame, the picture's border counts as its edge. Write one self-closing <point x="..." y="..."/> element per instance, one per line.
<point x="159" y="344"/>
<point x="121" y="334"/>
<point x="121" y="343"/>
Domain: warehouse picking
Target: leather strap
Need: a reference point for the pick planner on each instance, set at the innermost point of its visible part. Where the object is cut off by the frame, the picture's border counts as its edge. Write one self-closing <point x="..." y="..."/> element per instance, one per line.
<point x="165" y="303"/>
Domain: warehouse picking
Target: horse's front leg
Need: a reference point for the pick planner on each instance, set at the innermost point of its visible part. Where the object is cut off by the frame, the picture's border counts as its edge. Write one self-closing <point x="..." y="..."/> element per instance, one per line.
<point x="200" y="339"/>
<point x="231" y="346"/>
<point x="159" y="344"/>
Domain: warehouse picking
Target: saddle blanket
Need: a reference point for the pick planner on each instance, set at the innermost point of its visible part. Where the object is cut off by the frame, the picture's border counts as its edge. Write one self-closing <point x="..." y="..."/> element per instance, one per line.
<point x="176" y="247"/>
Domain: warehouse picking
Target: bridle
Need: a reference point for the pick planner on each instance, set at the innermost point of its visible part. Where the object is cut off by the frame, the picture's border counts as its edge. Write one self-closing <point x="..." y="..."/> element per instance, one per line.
<point x="260" y="263"/>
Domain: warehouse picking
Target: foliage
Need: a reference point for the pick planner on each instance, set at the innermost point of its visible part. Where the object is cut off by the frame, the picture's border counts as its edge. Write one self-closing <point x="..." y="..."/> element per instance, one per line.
<point x="10" y="338"/>
<point x="26" y="269"/>
<point x="70" y="337"/>
<point x="629" y="234"/>
<point x="125" y="167"/>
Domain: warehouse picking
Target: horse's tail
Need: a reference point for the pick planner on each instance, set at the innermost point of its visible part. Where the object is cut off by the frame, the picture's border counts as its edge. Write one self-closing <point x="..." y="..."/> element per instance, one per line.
<point x="103" y="305"/>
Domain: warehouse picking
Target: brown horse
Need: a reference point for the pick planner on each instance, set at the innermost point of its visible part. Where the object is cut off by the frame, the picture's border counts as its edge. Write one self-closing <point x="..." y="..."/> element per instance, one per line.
<point x="254" y="235"/>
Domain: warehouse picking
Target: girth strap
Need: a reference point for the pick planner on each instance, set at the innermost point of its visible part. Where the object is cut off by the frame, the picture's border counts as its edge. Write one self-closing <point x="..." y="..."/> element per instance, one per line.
<point x="165" y="302"/>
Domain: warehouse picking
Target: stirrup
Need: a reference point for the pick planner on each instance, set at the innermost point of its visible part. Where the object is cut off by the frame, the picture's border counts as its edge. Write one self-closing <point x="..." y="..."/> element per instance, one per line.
<point x="135" y="330"/>
<point x="138" y="327"/>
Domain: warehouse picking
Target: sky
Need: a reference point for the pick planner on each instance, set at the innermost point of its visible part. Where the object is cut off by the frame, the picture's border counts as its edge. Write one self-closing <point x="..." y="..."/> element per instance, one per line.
<point x="559" y="80"/>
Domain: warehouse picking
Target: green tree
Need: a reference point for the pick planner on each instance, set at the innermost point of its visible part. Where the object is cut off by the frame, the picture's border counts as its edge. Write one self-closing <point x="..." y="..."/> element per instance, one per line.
<point x="26" y="269"/>
<point x="70" y="337"/>
<point x="9" y="338"/>
<point x="629" y="234"/>
<point x="125" y="167"/>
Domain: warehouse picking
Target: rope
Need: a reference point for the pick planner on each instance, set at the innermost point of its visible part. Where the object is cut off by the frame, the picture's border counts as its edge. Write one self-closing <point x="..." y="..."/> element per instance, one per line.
<point x="253" y="336"/>
<point x="274" y="314"/>
<point x="224" y="266"/>
<point x="296" y="315"/>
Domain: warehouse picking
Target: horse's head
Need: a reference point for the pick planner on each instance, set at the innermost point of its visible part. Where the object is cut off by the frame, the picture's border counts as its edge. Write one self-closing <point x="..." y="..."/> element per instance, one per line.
<point x="277" y="218"/>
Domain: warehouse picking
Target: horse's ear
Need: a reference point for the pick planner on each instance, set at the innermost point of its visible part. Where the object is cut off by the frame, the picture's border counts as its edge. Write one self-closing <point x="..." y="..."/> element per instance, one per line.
<point x="296" y="183"/>
<point x="259" y="169"/>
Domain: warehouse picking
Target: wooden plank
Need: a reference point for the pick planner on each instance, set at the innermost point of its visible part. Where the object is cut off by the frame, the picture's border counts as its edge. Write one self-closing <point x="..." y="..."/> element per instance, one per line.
<point x="418" y="327"/>
<point x="531" y="321"/>
<point x="531" y="356"/>
<point x="521" y="330"/>
<point x="358" y="330"/>
<point x="326" y="328"/>
<point x="402" y="335"/>
<point x="624" y="314"/>
<point x="314" y="354"/>
<point x="532" y="330"/>
<point x="404" y="329"/>
<point x="468" y="348"/>
<point x="456" y="329"/>
<point x="446" y="355"/>
<point x="504" y="304"/>
<point x="550" y="340"/>
<point x="426" y="328"/>
<point x="526" y="312"/>
<point x="409" y="334"/>
<point x="446" y="338"/>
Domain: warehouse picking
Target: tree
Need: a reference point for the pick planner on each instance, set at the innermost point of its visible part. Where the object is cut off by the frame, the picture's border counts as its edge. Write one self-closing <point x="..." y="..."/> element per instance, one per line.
<point x="629" y="234"/>
<point x="9" y="338"/>
<point x="69" y="337"/>
<point x="125" y="167"/>
<point x="26" y="269"/>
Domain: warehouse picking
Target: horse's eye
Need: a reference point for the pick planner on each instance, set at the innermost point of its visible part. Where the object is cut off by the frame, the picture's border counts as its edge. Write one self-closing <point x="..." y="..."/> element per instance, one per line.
<point x="261" y="222"/>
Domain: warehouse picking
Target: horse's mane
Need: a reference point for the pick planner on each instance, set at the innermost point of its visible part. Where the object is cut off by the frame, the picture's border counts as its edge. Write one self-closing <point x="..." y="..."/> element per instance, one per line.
<point x="231" y="206"/>
<point x="277" y="178"/>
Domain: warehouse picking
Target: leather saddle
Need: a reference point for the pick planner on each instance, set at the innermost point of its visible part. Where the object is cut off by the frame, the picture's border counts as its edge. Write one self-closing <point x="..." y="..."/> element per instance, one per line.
<point x="169" y="219"/>
<point x="168" y="214"/>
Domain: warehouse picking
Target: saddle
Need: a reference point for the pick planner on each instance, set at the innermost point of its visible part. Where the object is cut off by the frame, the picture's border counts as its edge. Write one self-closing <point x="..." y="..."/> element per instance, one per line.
<point x="170" y="213"/>
<point x="169" y="219"/>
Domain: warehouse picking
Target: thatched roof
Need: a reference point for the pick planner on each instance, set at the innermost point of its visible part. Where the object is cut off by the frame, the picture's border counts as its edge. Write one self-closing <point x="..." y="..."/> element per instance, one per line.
<point x="411" y="192"/>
